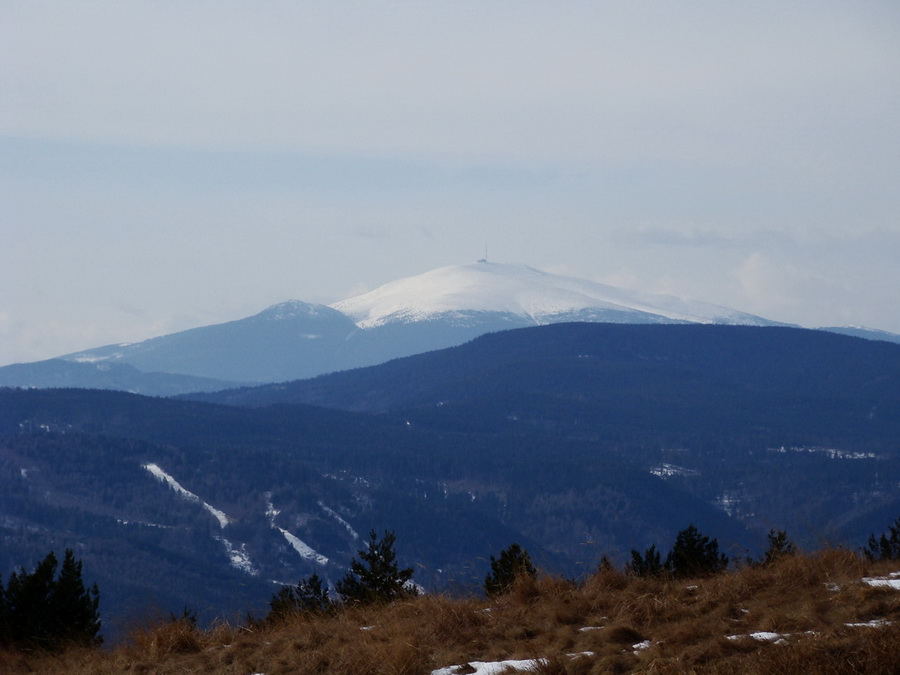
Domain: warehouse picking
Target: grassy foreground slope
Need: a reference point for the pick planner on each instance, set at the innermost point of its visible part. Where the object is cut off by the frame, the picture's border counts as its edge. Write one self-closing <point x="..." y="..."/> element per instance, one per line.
<point x="805" y="613"/>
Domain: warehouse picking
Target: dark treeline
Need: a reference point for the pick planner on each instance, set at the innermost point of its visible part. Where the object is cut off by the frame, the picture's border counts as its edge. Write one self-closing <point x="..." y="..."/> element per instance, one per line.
<point x="43" y="610"/>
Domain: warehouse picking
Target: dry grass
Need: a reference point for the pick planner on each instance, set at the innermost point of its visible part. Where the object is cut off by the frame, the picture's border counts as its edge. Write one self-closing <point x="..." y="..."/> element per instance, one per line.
<point x="582" y="629"/>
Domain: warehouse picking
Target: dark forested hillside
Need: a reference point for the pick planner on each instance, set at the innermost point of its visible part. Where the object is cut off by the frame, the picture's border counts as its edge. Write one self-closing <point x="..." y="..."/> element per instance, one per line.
<point x="778" y="426"/>
<point x="573" y="440"/>
<point x="295" y="487"/>
<point x="604" y="362"/>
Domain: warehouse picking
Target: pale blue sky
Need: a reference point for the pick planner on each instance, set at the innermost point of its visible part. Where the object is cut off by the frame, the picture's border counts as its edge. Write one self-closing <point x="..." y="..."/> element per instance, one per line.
<point x="171" y="164"/>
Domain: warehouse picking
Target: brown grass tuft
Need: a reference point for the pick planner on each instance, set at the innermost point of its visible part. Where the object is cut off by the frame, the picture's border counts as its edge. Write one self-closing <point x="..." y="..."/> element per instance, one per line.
<point x="584" y="629"/>
<point x="172" y="637"/>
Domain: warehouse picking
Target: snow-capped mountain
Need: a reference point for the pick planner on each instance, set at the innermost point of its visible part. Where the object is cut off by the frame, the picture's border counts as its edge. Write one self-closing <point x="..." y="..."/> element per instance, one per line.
<point x="529" y="294"/>
<point x="294" y="339"/>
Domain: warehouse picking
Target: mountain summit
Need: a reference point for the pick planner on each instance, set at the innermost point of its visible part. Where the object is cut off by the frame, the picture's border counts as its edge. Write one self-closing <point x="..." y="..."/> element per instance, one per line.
<point x="522" y="291"/>
<point x="294" y="339"/>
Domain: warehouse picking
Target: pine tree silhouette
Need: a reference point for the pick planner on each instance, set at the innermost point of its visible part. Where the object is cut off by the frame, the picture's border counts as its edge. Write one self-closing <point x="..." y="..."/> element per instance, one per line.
<point x="309" y="595"/>
<point x="375" y="576"/>
<point x="647" y="565"/>
<point x="779" y="547"/>
<point x="695" y="555"/>
<point x="75" y="608"/>
<point x="514" y="563"/>
<point x="885" y="547"/>
<point x="38" y="610"/>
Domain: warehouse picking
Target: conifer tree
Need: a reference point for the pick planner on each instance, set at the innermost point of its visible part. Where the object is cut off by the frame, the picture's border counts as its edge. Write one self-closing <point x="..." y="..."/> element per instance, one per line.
<point x="514" y="563"/>
<point x="885" y="547"/>
<point x="75" y="608"/>
<point x="695" y="555"/>
<point x="309" y="596"/>
<point x="647" y="565"/>
<point x="28" y="605"/>
<point x="779" y="547"/>
<point x="4" y="619"/>
<point x="375" y="576"/>
<point x="39" y="610"/>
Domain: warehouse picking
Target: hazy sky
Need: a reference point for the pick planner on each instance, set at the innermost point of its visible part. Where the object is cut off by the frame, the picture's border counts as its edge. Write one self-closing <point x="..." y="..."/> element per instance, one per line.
<point x="170" y="164"/>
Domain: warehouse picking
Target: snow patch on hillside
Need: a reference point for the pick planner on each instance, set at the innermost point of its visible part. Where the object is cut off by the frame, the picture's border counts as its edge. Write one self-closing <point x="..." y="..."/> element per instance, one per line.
<point x="238" y="557"/>
<point x="163" y="477"/>
<point x="830" y="453"/>
<point x="666" y="470"/>
<point x="305" y="550"/>
<point x="347" y="526"/>
<point x="86" y="358"/>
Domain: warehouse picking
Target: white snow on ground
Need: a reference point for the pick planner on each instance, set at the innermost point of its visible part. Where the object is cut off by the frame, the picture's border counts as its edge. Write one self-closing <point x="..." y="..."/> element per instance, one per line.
<point x="490" y="668"/>
<point x="494" y="667"/>
<point x="890" y="581"/>
<point x="762" y="636"/>
<point x="238" y="557"/>
<point x="669" y="470"/>
<point x="519" y="290"/>
<point x="874" y="623"/>
<point x="306" y="552"/>
<point x="343" y="522"/>
<point x="271" y="511"/>
<point x="142" y="523"/>
<point x="163" y="477"/>
<point x="532" y="665"/>
<point x="418" y="589"/>
<point x="84" y="358"/>
<point x="830" y="453"/>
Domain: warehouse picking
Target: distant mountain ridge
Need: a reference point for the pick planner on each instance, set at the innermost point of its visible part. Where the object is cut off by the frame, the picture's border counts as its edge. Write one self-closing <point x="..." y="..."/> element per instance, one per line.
<point x="295" y="340"/>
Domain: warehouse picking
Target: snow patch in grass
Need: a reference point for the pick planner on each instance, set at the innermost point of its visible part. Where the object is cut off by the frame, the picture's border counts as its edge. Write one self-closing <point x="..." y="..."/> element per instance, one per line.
<point x="874" y="623"/>
<point x="491" y="667"/>
<point x="762" y="636"/>
<point x="890" y="581"/>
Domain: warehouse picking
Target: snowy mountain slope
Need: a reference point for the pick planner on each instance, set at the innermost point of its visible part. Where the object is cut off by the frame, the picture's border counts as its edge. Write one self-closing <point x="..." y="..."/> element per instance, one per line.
<point x="522" y="291"/>
<point x="438" y="309"/>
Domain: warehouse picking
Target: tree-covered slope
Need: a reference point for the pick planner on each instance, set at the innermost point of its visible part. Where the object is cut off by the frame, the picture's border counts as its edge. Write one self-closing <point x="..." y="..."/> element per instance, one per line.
<point x="178" y="502"/>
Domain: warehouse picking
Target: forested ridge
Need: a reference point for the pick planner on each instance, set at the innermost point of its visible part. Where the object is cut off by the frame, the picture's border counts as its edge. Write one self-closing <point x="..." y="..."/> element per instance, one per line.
<point x="576" y="440"/>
